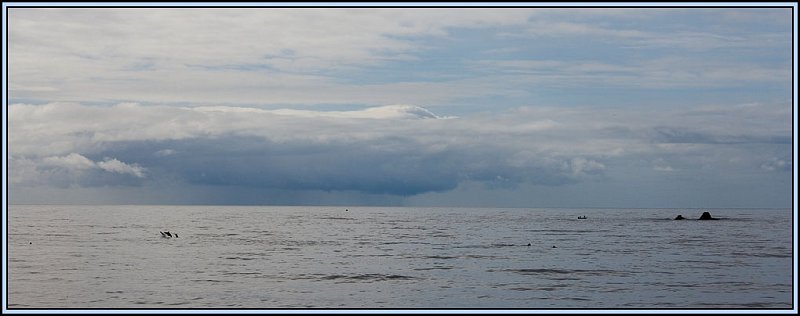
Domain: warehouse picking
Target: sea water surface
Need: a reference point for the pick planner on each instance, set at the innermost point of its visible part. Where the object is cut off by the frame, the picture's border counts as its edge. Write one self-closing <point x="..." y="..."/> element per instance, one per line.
<point x="382" y="257"/>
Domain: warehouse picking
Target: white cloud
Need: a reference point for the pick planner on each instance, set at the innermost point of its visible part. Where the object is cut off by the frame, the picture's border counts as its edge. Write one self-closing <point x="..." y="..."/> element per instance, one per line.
<point x="67" y="170"/>
<point x="381" y="112"/>
<point x="72" y="161"/>
<point x="165" y="152"/>
<point x="114" y="165"/>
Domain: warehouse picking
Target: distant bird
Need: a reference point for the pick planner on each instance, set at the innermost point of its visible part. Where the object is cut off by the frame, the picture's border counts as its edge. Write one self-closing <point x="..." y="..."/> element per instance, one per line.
<point x="346" y="210"/>
<point x="554" y="246"/>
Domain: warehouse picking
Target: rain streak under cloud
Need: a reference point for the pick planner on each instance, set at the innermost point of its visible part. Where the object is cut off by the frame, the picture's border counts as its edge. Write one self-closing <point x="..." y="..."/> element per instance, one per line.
<point x="537" y="107"/>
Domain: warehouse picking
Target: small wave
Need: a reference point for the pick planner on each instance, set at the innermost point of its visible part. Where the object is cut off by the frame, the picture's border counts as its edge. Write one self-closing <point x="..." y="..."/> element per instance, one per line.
<point x="241" y="273"/>
<point x="762" y="255"/>
<point x="745" y="305"/>
<point x="568" y="230"/>
<point x="472" y="256"/>
<point x="303" y="243"/>
<point x="260" y="232"/>
<point x="551" y="272"/>
<point x="433" y="268"/>
<point x="498" y="245"/>
<point x="573" y="299"/>
<point x="239" y="258"/>
<point x="368" y="277"/>
<point x="441" y="235"/>
<point x="530" y="289"/>
<point x="148" y="303"/>
<point x="211" y="280"/>
<point x="439" y="257"/>
<point x="410" y="228"/>
<point x="680" y="285"/>
<point x="339" y="218"/>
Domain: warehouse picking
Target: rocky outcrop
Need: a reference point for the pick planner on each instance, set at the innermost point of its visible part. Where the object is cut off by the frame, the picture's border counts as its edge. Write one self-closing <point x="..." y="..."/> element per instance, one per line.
<point x="707" y="216"/>
<point x="679" y="217"/>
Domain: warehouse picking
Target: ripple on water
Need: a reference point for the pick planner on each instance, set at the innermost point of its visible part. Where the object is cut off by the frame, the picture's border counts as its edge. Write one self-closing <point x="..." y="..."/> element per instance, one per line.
<point x="563" y="272"/>
<point x="352" y="278"/>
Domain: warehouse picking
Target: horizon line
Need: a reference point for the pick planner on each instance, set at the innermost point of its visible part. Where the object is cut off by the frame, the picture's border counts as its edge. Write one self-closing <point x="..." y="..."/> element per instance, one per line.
<point x="394" y="206"/>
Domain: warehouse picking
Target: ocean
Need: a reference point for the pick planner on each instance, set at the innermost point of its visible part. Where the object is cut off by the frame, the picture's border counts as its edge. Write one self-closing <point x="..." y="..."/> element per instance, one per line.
<point x="271" y="257"/>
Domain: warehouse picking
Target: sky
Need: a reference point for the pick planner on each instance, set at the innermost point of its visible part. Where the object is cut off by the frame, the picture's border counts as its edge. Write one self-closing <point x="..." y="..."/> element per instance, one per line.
<point x="479" y="107"/>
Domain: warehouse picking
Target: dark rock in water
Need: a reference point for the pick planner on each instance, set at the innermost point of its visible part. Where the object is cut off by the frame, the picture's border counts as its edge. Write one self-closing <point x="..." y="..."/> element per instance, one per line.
<point x="707" y="216"/>
<point x="679" y="217"/>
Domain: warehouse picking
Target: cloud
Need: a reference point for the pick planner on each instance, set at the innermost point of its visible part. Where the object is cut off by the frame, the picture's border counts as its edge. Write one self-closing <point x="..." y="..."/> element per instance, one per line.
<point x="652" y="28"/>
<point x="71" y="170"/>
<point x="380" y="112"/>
<point x="165" y="152"/>
<point x="663" y="168"/>
<point x="395" y="150"/>
<point x="114" y="165"/>
<point x="233" y="55"/>
<point x="72" y="161"/>
<point x="583" y="166"/>
<point x="776" y="164"/>
<point x="658" y="73"/>
<point x="368" y="56"/>
<point x="395" y="103"/>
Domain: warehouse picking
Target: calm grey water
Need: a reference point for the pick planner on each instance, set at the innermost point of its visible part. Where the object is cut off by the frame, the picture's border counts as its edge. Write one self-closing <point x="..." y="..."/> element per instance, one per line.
<point x="371" y="257"/>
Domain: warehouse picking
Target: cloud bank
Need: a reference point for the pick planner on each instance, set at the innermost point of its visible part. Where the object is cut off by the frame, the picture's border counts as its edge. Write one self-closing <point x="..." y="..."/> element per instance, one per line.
<point x="395" y="150"/>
